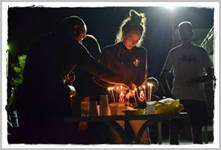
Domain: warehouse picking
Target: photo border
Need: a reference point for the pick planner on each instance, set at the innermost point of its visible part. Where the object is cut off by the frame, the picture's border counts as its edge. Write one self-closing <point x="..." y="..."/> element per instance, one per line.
<point x="3" y="59"/>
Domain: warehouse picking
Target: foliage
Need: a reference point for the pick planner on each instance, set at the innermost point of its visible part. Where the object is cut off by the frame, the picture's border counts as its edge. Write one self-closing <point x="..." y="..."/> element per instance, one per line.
<point x="16" y="76"/>
<point x="17" y="69"/>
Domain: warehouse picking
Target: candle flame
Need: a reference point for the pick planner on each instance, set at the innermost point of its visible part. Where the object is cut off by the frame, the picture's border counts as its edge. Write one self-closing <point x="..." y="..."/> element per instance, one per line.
<point x="142" y="96"/>
<point x="150" y="84"/>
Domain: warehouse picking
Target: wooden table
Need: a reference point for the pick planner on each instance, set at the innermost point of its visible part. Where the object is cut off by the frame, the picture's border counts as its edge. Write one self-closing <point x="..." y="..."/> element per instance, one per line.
<point x="126" y="133"/>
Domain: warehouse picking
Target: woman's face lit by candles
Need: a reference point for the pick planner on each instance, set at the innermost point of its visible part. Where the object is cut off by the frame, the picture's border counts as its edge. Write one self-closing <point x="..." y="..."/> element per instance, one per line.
<point x="131" y="39"/>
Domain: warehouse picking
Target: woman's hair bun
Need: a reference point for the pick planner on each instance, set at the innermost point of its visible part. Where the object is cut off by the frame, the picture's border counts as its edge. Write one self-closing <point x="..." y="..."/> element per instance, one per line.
<point x="135" y="16"/>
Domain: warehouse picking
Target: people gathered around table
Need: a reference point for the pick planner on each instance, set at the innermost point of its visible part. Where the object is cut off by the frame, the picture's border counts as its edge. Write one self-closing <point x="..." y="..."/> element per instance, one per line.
<point x="67" y="74"/>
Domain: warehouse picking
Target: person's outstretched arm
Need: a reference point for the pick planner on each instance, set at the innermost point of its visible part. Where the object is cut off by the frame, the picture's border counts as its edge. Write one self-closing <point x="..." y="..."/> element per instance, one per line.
<point x="90" y="65"/>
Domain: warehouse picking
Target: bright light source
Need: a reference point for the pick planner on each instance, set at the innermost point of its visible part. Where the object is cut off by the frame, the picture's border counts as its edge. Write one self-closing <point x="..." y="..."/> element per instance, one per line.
<point x="170" y="7"/>
<point x="6" y="47"/>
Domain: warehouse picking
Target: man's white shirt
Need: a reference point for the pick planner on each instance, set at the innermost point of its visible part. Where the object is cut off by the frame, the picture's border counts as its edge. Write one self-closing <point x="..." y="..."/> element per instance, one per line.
<point x="187" y="63"/>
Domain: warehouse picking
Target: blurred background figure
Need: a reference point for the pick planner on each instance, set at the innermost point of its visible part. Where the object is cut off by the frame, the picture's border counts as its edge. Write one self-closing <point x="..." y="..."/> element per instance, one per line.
<point x="191" y="68"/>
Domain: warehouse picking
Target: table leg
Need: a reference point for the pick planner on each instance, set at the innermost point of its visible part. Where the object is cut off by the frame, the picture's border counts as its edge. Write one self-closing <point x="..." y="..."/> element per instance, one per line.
<point x="159" y="127"/>
<point x="142" y="129"/>
<point x="120" y="130"/>
<point x="130" y="133"/>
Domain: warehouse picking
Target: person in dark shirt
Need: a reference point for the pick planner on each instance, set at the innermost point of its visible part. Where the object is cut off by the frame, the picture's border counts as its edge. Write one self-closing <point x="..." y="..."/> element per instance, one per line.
<point x="93" y="46"/>
<point x="126" y="57"/>
<point x="84" y="81"/>
<point x="89" y="91"/>
<point x="43" y="99"/>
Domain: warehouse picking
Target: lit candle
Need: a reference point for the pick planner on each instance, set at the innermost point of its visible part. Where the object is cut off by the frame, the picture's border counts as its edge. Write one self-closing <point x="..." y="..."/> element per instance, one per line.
<point x="150" y="86"/>
<point x="136" y="92"/>
<point x="116" y="89"/>
<point x="145" y="93"/>
<point x="109" y="91"/>
<point x="141" y="97"/>
<point x="121" y="97"/>
<point x="112" y="91"/>
<point x="134" y="96"/>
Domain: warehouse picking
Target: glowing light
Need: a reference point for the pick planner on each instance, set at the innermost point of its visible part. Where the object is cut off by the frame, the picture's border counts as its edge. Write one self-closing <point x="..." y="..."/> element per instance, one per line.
<point x="142" y="96"/>
<point x="6" y="47"/>
<point x="149" y="84"/>
<point x="121" y="97"/>
<point x="109" y="88"/>
<point x="170" y="7"/>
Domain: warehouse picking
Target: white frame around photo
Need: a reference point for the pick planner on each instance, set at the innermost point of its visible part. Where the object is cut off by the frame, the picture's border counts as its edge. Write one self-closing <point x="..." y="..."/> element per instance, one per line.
<point x="6" y="5"/>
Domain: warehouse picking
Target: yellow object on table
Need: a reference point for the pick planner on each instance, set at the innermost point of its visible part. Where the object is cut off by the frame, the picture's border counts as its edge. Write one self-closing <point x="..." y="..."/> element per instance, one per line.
<point x="168" y="105"/>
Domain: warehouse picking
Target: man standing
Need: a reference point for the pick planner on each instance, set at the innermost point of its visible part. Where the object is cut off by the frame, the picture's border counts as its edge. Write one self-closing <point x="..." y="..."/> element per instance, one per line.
<point x="191" y="68"/>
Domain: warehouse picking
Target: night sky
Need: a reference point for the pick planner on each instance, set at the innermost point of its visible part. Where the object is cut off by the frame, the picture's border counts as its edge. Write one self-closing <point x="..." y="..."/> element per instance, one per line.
<point x="27" y="24"/>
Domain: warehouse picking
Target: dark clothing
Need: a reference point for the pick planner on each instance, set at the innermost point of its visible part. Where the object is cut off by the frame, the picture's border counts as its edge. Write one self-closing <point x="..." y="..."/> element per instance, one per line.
<point x="44" y="98"/>
<point x="84" y="81"/>
<point x="86" y="86"/>
<point x="198" y="114"/>
<point x="130" y="64"/>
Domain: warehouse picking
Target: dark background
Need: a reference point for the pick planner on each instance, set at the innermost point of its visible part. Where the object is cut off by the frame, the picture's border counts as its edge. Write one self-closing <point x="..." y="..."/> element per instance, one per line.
<point x="25" y="24"/>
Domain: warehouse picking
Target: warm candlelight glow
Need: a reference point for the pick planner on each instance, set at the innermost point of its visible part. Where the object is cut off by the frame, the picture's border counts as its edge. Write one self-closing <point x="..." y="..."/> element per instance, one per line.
<point x="134" y="94"/>
<point x="121" y="97"/>
<point x="145" y="93"/>
<point x="121" y="94"/>
<point x="150" y="86"/>
<point x="141" y="93"/>
<point x="111" y="90"/>
<point x="138" y="93"/>
<point x="142" y="96"/>
<point x="144" y="86"/>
